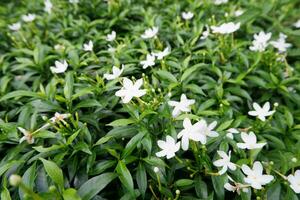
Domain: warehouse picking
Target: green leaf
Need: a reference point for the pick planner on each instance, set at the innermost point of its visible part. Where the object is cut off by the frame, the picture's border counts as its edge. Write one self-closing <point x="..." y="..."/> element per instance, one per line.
<point x="125" y="177"/>
<point x="289" y="118"/>
<point x="54" y="172"/>
<point x="141" y="179"/>
<point x="68" y="89"/>
<point x="166" y="76"/>
<point x="71" y="194"/>
<point x="218" y="184"/>
<point x="184" y="182"/>
<point x="5" y="195"/>
<point x="20" y="93"/>
<point x="224" y="125"/>
<point x="121" y="122"/>
<point x="131" y="145"/>
<point x="95" y="185"/>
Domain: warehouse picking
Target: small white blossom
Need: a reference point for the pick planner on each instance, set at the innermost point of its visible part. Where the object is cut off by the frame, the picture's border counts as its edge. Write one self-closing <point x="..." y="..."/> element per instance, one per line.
<point x="27" y="136"/>
<point x="219" y="2"/>
<point x="60" y="67"/>
<point x="59" y="47"/>
<point x="111" y="49"/>
<point x="261" y="112"/>
<point x="260" y="41"/>
<point x="169" y="147"/>
<point x="238" y="13"/>
<point x="28" y="18"/>
<point x="250" y="141"/>
<point x="226" y="28"/>
<point x="224" y="162"/>
<point x="116" y="72"/>
<point x="237" y="187"/>
<point x="255" y="176"/>
<point x="182" y="106"/>
<point x="294" y="181"/>
<point x="111" y="37"/>
<point x="187" y="15"/>
<point x="160" y="55"/>
<point x="88" y="46"/>
<point x="59" y="117"/>
<point x="281" y="44"/>
<point x="150" y="61"/>
<point x="15" y="26"/>
<point x="150" y="33"/>
<point x="48" y="6"/>
<point x="74" y="1"/>
<point x="297" y="24"/>
<point x="230" y="132"/>
<point x="130" y="90"/>
<point x="205" y="33"/>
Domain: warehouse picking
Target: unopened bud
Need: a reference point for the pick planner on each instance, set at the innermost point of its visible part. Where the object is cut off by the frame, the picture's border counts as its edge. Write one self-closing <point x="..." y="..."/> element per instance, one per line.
<point x="156" y="169"/>
<point x="177" y="192"/>
<point x="294" y="160"/>
<point x="15" y="180"/>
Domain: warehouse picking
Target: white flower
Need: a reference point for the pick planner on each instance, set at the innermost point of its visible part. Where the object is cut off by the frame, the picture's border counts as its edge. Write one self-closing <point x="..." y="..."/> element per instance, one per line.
<point x="297" y="24"/>
<point x="28" y="18"/>
<point x="111" y="37"/>
<point x="281" y="44"/>
<point x="130" y="90"/>
<point x="59" y="47"/>
<point x="187" y="15"/>
<point x="73" y="1"/>
<point x="205" y="34"/>
<point x="27" y="136"/>
<point x="116" y="72"/>
<point x="182" y="106"/>
<point x="261" y="112"/>
<point x="59" y="117"/>
<point x="249" y="141"/>
<point x="60" y="67"/>
<point x="15" y="26"/>
<point x="150" y="33"/>
<point x="111" y="49"/>
<point x="295" y="181"/>
<point x="226" y="28"/>
<point x="88" y="46"/>
<point x="169" y="147"/>
<point x="237" y="187"/>
<point x="219" y="2"/>
<point x="160" y="55"/>
<point x="224" y="162"/>
<point x="260" y="41"/>
<point x="255" y="176"/>
<point x="230" y="132"/>
<point x="150" y="61"/>
<point x="238" y="13"/>
<point x="48" y="6"/>
<point x="197" y="132"/>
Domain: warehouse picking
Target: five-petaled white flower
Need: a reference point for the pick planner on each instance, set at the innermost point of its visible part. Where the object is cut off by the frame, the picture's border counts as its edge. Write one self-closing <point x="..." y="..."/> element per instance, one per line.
<point x="27" y="136"/>
<point x="160" y="55"/>
<point x="205" y="33"/>
<point x="261" y="112"/>
<point x="184" y="105"/>
<point x="28" y="18"/>
<point x="187" y="15"/>
<point x="150" y="33"/>
<point x="281" y="44"/>
<point x="111" y="37"/>
<point x="150" y="61"/>
<point x="255" y="176"/>
<point x="237" y="187"/>
<point x="249" y="141"/>
<point x="238" y="13"/>
<point x="60" y="67"/>
<point x="226" y="28"/>
<point x="48" y="6"/>
<point x="219" y="2"/>
<point x="59" y="117"/>
<point x="297" y="24"/>
<point x="88" y="46"/>
<point x="130" y="90"/>
<point x="260" y="41"/>
<point x="230" y="132"/>
<point x="15" y="26"/>
<point x="224" y="162"/>
<point x="116" y="72"/>
<point x="295" y="181"/>
<point x="169" y="147"/>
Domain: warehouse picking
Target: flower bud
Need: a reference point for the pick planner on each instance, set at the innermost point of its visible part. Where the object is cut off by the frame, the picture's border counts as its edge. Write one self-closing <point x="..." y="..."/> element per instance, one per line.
<point x="15" y="180"/>
<point x="294" y="160"/>
<point x="177" y="192"/>
<point x="156" y="169"/>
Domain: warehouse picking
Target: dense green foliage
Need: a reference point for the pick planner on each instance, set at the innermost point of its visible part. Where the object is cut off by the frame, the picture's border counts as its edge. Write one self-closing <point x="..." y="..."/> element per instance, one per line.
<point x="106" y="149"/>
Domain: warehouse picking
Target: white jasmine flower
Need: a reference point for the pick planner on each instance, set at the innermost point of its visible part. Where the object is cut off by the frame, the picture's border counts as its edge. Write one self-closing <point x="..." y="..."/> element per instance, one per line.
<point x="59" y="117"/>
<point x="150" y="61"/>
<point x="28" y="18"/>
<point x="15" y="26"/>
<point x="224" y="162"/>
<point x="48" y="6"/>
<point x="169" y="147"/>
<point x="88" y="46"/>
<point x="295" y="181"/>
<point x="249" y="141"/>
<point x="255" y="176"/>
<point x="219" y="2"/>
<point x="74" y="1"/>
<point x="27" y="136"/>
<point x="111" y="37"/>
<point x="111" y="49"/>
<point x="261" y="112"/>
<point x="60" y="67"/>
<point x="260" y="41"/>
<point x="160" y="55"/>
<point x="230" y="132"/>
<point x="130" y="90"/>
<point x="150" y="33"/>
<point x="237" y="187"/>
<point x="238" y="13"/>
<point x="187" y="15"/>
<point x="182" y="106"/>
<point x="59" y="47"/>
<point x="116" y="72"/>
<point x="205" y="33"/>
<point x="281" y="44"/>
<point x="197" y="132"/>
<point x="226" y="28"/>
<point x="297" y="24"/>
